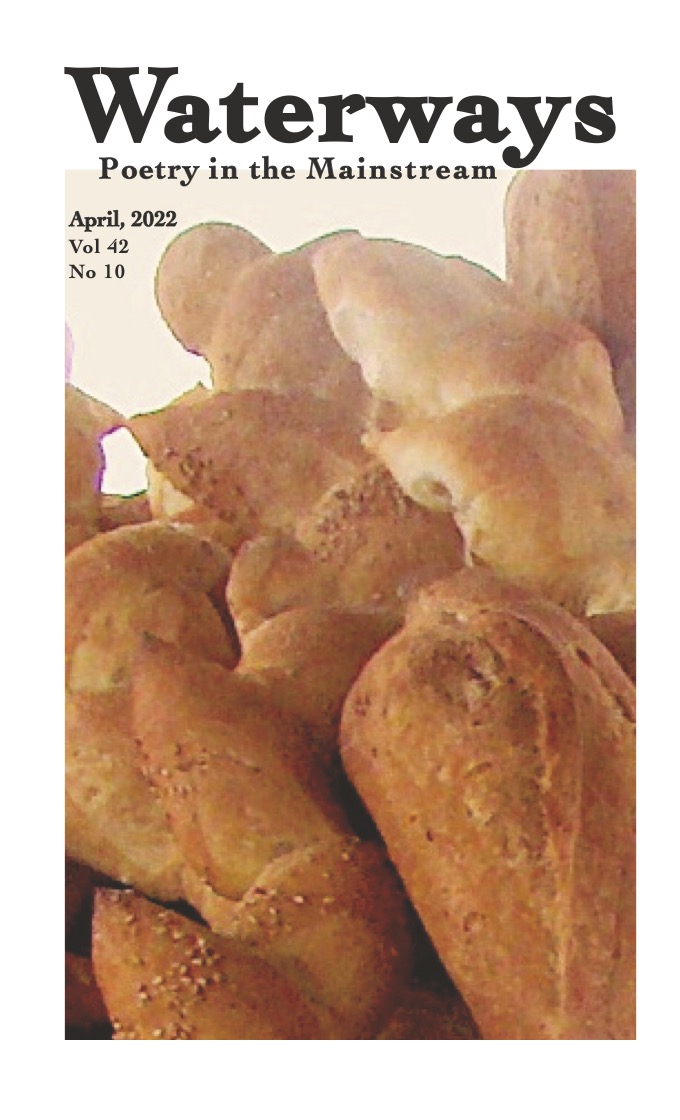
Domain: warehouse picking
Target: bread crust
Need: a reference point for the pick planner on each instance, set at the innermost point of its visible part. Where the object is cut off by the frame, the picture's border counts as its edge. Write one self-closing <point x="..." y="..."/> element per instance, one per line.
<point x="492" y="740"/>
<point x="544" y="503"/>
<point x="570" y="247"/>
<point x="165" y="978"/>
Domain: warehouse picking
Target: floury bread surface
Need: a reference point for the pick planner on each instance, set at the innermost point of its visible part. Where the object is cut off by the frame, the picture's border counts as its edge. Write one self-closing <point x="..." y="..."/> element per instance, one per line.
<point x="546" y="504"/>
<point x="492" y="741"/>
<point x="570" y="247"/>
<point x="433" y="333"/>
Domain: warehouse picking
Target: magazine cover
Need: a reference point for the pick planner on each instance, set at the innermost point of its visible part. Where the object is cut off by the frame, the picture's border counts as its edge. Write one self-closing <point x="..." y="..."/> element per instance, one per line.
<point x="350" y="529"/>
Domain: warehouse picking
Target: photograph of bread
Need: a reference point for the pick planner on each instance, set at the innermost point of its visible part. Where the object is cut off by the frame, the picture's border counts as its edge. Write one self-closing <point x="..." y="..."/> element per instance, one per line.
<point x="350" y="685"/>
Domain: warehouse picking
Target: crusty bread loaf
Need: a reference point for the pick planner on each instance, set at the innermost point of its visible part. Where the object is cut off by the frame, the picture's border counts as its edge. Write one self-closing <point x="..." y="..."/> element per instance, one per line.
<point x="332" y="919"/>
<point x="570" y="239"/>
<point x="115" y="822"/>
<point x="163" y="977"/>
<point x="240" y="780"/>
<point x="492" y="741"/>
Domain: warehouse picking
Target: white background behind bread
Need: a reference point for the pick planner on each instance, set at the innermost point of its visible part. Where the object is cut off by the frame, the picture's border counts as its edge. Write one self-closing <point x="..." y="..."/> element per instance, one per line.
<point x="499" y="50"/>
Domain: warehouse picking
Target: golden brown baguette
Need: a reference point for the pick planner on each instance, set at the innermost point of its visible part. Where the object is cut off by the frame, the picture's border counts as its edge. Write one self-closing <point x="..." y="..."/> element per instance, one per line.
<point x="493" y="742"/>
<point x="570" y="238"/>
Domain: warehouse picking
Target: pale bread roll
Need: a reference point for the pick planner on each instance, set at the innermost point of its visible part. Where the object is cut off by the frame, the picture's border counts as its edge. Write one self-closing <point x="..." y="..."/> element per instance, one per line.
<point x="536" y="495"/>
<point x="195" y="275"/>
<point x="570" y="238"/>
<point x="272" y="333"/>
<point x="432" y="333"/>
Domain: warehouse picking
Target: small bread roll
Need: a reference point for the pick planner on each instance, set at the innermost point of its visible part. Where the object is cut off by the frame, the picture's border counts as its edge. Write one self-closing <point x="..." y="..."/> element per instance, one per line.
<point x="305" y="659"/>
<point x="492" y="740"/>
<point x="379" y="542"/>
<point x="115" y="821"/>
<point x="432" y="333"/>
<point x="254" y="458"/>
<point x="570" y="239"/>
<point x="165" y="978"/>
<point x="240" y="780"/>
<point x="365" y="545"/>
<point x="535" y="494"/>
<point x="272" y="333"/>
<point x="334" y="920"/>
<point x="139" y="579"/>
<point x="121" y="586"/>
<point x="195" y="276"/>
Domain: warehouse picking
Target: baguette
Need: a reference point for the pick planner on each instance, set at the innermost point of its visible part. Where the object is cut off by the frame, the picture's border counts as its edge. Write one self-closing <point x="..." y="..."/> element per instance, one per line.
<point x="492" y="740"/>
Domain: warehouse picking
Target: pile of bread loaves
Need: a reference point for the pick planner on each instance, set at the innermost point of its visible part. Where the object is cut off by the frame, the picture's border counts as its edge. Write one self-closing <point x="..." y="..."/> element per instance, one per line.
<point x="350" y="700"/>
